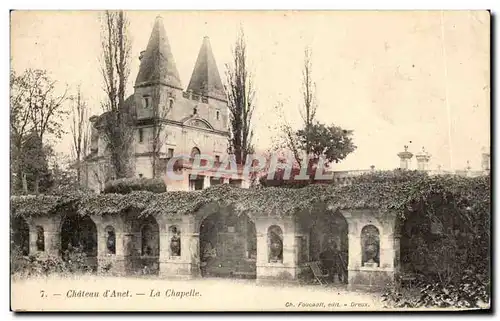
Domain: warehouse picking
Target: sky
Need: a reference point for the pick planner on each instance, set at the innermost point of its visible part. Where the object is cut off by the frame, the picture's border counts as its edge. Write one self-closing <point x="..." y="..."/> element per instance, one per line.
<point x="391" y="77"/>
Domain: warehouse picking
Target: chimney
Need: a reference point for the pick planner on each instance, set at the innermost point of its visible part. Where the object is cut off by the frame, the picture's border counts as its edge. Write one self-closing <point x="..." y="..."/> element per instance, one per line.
<point x="405" y="158"/>
<point x="423" y="160"/>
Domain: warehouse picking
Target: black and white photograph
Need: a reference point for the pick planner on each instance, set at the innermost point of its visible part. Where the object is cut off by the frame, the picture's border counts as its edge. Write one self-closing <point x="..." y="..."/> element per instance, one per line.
<point x="240" y="161"/>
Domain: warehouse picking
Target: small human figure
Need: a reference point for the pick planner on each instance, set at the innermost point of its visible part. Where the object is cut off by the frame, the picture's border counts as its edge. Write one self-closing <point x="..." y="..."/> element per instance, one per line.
<point x="209" y="252"/>
<point x="331" y="261"/>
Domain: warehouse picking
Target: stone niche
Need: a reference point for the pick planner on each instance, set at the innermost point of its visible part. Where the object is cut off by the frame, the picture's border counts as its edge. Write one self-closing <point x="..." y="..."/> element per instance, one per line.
<point x="373" y="249"/>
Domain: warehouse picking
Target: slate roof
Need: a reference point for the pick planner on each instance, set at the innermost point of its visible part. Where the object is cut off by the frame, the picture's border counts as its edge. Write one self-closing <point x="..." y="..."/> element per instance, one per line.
<point x="205" y="79"/>
<point x="157" y="62"/>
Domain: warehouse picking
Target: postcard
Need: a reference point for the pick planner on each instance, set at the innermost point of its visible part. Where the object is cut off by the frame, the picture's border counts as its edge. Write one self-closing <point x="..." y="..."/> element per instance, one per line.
<point x="250" y="161"/>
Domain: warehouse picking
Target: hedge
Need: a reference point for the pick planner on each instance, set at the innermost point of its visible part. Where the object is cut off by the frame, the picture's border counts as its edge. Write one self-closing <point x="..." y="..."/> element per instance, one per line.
<point x="401" y="192"/>
<point x="128" y="185"/>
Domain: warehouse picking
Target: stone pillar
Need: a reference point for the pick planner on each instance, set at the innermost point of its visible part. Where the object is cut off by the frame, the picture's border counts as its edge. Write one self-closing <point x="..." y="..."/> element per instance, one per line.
<point x="206" y="181"/>
<point x="355" y="254"/>
<point x="290" y="246"/>
<point x="113" y="263"/>
<point x="397" y="252"/>
<point x="33" y="236"/>
<point x="51" y="232"/>
<point x="405" y="158"/>
<point x="371" y="276"/>
<point x="387" y="251"/>
<point x="187" y="265"/>
<point x="279" y="271"/>
<point x="423" y="160"/>
<point x="485" y="161"/>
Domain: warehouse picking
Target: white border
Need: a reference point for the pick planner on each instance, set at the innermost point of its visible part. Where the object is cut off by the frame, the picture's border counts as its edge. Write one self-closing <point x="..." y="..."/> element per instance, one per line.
<point x="493" y="5"/>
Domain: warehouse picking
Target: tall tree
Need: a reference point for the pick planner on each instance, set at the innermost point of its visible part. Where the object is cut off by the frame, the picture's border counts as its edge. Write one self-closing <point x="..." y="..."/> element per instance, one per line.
<point x="36" y="109"/>
<point x="287" y="135"/>
<point x="37" y="177"/>
<point x="312" y="139"/>
<point x="239" y="88"/>
<point x="80" y="131"/>
<point x="308" y="109"/>
<point x="115" y="67"/>
<point x="332" y="142"/>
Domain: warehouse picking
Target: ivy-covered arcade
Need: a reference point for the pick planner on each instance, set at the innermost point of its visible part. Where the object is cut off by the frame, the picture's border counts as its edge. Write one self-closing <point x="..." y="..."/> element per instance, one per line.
<point x="262" y="233"/>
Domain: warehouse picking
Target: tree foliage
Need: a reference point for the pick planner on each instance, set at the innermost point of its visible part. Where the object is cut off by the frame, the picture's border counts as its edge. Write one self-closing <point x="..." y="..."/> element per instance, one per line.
<point x="332" y="142"/>
<point x="386" y="191"/>
<point x="37" y="111"/>
<point x="128" y="185"/>
<point x="38" y="177"/>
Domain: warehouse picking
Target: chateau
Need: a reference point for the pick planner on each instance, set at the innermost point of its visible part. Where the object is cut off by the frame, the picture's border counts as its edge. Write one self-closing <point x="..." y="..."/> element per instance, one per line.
<point x="195" y="120"/>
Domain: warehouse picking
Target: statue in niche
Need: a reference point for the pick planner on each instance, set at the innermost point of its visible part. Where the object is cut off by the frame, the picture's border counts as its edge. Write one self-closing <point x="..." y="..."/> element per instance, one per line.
<point x="175" y="242"/>
<point x="275" y="244"/>
<point x="40" y="239"/>
<point x="371" y="246"/>
<point x="111" y="242"/>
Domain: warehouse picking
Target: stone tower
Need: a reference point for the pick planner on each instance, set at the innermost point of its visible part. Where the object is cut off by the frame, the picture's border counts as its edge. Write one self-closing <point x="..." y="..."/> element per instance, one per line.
<point x="194" y="121"/>
<point x="158" y="81"/>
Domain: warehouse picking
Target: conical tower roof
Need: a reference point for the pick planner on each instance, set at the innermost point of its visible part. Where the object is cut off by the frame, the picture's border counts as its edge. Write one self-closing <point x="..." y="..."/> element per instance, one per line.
<point x="157" y="61"/>
<point x="205" y="79"/>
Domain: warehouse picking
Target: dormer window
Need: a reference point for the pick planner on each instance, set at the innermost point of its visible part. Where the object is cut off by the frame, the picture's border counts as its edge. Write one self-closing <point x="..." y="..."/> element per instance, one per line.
<point x="146" y="101"/>
<point x="217" y="115"/>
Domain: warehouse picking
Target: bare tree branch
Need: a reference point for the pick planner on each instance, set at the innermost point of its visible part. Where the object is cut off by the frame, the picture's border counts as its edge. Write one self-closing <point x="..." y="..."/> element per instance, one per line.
<point x="118" y="122"/>
<point x="79" y="131"/>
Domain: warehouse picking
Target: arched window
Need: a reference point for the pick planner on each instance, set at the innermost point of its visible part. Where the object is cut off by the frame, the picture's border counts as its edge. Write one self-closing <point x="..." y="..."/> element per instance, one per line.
<point x="110" y="240"/>
<point x="40" y="239"/>
<point x="195" y="151"/>
<point x="175" y="240"/>
<point x="275" y="244"/>
<point x="370" y="245"/>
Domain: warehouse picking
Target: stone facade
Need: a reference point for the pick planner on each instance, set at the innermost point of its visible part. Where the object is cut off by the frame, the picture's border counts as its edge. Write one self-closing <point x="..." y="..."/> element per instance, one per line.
<point x="194" y="120"/>
<point x="240" y="245"/>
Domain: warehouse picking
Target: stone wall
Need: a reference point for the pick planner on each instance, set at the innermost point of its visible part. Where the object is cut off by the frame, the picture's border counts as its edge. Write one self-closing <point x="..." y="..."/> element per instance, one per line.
<point x="175" y="244"/>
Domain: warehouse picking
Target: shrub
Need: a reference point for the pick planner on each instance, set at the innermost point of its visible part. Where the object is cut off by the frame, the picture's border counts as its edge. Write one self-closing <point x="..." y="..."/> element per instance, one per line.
<point x="470" y="290"/>
<point x="71" y="262"/>
<point x="128" y="185"/>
